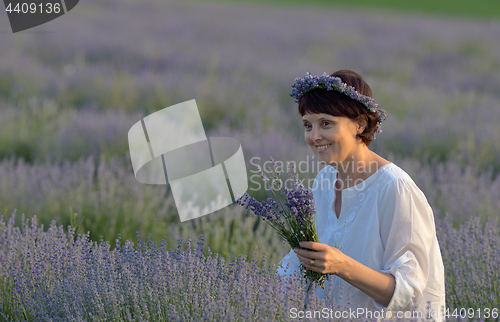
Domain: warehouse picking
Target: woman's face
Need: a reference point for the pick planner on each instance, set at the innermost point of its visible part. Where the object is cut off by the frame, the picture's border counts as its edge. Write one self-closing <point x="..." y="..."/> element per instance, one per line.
<point x="332" y="138"/>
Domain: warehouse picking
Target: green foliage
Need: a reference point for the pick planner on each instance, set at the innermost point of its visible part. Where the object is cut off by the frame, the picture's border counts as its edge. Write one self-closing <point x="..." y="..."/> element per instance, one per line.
<point x="482" y="9"/>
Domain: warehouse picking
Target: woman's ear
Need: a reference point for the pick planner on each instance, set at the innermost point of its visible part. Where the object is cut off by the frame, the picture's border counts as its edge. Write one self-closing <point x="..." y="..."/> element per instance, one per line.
<point x="362" y="123"/>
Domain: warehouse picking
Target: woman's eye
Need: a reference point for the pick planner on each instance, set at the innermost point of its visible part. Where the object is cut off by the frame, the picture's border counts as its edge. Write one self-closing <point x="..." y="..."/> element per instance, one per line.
<point x="325" y="123"/>
<point x="307" y="126"/>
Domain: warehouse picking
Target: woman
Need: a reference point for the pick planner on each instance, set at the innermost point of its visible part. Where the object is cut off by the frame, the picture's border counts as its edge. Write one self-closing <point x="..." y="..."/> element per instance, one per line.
<point x="390" y="257"/>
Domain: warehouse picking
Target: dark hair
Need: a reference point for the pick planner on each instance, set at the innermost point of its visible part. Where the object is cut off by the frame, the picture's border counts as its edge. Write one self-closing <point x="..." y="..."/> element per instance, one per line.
<point x="337" y="104"/>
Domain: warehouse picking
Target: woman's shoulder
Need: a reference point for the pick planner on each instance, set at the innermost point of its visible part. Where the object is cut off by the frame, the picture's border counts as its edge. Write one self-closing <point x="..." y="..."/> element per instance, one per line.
<point x="394" y="180"/>
<point x="392" y="174"/>
<point x="399" y="196"/>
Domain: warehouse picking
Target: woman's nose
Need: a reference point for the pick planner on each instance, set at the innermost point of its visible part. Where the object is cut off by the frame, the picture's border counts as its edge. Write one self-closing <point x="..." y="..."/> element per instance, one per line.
<point x="314" y="135"/>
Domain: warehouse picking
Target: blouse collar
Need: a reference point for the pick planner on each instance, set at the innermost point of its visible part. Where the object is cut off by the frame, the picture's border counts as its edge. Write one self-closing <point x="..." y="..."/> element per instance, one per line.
<point x="362" y="186"/>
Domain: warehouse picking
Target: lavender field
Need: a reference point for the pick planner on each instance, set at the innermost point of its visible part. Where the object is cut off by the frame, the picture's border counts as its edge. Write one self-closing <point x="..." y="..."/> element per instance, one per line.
<point x="71" y="89"/>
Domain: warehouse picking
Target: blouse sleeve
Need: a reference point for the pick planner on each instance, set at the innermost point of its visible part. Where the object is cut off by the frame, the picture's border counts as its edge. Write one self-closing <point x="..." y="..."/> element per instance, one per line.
<point x="407" y="231"/>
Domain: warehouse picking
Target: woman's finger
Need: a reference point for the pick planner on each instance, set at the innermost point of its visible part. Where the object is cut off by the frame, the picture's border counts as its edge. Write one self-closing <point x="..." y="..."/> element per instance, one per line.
<point x="313" y="268"/>
<point x="307" y="253"/>
<point x="317" y="264"/>
<point x="313" y="245"/>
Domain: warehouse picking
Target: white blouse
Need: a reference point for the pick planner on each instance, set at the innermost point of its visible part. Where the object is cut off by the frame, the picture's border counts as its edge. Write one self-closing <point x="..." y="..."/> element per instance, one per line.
<point x="389" y="227"/>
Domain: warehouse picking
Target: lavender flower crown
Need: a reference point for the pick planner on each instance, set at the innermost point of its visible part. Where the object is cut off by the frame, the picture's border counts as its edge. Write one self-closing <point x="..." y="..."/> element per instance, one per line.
<point x="310" y="82"/>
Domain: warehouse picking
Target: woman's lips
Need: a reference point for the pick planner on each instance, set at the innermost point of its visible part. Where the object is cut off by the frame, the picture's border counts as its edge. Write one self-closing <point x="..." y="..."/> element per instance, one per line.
<point x="321" y="148"/>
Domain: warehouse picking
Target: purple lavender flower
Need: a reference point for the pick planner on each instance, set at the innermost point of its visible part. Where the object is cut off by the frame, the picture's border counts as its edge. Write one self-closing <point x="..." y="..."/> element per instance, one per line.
<point x="330" y="83"/>
<point x="295" y="223"/>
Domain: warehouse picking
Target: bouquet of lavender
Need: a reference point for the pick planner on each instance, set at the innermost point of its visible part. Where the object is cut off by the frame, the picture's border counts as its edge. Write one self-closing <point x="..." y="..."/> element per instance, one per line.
<point x="295" y="222"/>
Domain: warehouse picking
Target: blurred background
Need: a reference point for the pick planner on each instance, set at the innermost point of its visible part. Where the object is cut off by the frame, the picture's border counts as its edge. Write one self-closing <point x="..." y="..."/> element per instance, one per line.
<point x="71" y="89"/>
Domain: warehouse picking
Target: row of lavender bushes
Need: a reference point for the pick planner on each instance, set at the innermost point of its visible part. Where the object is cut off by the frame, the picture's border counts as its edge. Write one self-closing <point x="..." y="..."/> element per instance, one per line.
<point x="41" y="130"/>
<point x="67" y="96"/>
<point x="228" y="55"/>
<point x="109" y="200"/>
<point x="55" y="275"/>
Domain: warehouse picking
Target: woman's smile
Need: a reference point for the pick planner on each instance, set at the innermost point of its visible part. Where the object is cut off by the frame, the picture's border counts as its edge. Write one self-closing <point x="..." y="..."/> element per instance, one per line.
<point x="321" y="148"/>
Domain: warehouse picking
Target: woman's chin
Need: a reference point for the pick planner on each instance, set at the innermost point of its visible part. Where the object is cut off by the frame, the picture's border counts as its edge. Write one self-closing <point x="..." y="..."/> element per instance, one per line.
<point x="323" y="158"/>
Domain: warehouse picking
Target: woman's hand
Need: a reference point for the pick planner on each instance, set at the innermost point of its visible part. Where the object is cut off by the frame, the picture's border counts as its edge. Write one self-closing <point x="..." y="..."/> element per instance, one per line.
<point x="330" y="260"/>
<point x="327" y="259"/>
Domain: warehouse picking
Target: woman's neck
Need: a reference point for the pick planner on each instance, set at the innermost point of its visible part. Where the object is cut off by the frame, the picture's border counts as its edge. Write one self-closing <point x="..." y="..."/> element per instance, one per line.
<point x="357" y="168"/>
